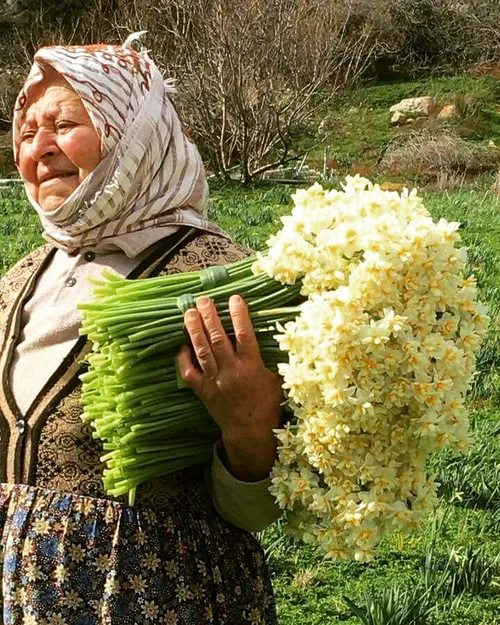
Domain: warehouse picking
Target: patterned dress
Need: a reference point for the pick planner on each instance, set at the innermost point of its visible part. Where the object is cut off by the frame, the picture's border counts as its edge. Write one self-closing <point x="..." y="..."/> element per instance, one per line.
<point x="72" y="556"/>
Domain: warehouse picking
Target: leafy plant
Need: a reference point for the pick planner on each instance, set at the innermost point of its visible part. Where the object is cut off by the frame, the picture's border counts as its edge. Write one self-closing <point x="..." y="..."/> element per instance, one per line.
<point x="472" y="479"/>
<point x="274" y="541"/>
<point x="394" y="605"/>
<point x="466" y="571"/>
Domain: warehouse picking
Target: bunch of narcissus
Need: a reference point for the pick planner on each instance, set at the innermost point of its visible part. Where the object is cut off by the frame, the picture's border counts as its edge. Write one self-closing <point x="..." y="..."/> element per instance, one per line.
<point x="371" y="322"/>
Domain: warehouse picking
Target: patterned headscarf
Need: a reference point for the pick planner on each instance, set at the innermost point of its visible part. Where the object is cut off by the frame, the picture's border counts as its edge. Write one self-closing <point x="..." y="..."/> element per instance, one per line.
<point x="151" y="174"/>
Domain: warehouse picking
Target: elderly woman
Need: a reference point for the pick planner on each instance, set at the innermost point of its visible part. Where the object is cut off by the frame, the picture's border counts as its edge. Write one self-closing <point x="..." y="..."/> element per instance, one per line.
<point x="118" y="185"/>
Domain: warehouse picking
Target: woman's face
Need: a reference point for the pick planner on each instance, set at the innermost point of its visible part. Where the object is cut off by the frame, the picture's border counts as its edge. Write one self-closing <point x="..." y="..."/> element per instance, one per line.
<point x="59" y="146"/>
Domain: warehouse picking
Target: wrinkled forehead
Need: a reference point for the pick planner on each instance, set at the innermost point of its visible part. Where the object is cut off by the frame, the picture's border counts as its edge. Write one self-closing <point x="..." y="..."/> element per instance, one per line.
<point x="53" y="90"/>
<point x="110" y="80"/>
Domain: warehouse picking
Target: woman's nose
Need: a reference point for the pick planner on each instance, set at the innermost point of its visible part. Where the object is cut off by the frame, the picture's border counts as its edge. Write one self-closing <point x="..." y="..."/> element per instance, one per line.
<point x="44" y="144"/>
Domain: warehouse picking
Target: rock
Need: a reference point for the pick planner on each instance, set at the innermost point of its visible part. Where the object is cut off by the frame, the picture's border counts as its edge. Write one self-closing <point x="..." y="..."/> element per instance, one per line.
<point x="423" y="106"/>
<point x="398" y="119"/>
<point x="449" y="111"/>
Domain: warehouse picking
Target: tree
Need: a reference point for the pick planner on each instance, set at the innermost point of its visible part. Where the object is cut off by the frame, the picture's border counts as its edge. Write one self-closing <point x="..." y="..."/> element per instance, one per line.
<point x="251" y="75"/>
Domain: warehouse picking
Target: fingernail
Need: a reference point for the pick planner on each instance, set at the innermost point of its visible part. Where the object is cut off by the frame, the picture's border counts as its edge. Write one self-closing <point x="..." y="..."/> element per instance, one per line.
<point x="190" y="315"/>
<point x="236" y="299"/>
<point x="203" y="302"/>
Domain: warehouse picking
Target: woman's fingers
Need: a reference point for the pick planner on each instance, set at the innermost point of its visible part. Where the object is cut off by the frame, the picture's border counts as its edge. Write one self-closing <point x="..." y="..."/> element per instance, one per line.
<point x="211" y="344"/>
<point x="246" y="341"/>
<point x="202" y="349"/>
<point x="242" y="396"/>
<point x="208" y="337"/>
<point x="217" y="338"/>
<point x="187" y="369"/>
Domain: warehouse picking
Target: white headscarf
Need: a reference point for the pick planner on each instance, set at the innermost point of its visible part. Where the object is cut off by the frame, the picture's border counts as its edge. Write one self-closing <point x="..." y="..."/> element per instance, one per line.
<point x="151" y="174"/>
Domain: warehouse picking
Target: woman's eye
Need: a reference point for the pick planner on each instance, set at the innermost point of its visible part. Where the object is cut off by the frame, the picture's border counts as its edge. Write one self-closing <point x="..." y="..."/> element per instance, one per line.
<point x="65" y="125"/>
<point x="27" y="136"/>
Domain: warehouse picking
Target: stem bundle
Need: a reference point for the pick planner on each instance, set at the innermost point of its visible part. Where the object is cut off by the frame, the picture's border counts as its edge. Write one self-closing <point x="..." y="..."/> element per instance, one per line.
<point x="149" y="422"/>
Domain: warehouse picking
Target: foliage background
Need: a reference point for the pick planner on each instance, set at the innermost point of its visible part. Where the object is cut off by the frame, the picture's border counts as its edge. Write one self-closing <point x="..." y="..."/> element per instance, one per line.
<point x="253" y="76"/>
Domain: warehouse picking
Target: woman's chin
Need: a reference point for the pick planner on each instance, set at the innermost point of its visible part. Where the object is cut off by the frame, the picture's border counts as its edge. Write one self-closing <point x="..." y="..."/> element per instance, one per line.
<point x="50" y="201"/>
<point x="50" y="204"/>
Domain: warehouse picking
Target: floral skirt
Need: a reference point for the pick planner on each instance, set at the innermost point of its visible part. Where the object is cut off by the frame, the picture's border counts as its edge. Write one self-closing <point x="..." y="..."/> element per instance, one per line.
<point x="74" y="560"/>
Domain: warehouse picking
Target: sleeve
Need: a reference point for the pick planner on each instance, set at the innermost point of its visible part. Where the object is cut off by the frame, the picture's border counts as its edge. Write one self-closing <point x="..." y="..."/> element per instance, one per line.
<point x="247" y="505"/>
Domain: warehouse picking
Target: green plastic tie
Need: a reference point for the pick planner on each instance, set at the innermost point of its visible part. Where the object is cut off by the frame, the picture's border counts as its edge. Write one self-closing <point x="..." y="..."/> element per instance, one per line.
<point x="185" y="302"/>
<point x="212" y="277"/>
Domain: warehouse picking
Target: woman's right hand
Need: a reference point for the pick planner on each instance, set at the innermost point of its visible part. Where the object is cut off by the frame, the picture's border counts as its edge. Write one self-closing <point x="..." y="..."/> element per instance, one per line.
<point x="243" y="397"/>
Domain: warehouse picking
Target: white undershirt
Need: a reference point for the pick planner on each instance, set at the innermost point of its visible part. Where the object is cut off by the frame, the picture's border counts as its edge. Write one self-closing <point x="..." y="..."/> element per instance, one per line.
<point x="50" y="319"/>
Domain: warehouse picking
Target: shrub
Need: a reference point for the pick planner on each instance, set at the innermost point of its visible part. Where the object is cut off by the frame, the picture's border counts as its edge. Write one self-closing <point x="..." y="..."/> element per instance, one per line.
<point x="434" y="152"/>
<point x="252" y="75"/>
<point x="439" y="35"/>
<point x="449" y="180"/>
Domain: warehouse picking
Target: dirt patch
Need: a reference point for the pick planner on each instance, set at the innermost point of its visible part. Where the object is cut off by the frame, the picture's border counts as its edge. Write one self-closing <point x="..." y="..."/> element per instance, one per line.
<point x="368" y="170"/>
<point x="488" y="69"/>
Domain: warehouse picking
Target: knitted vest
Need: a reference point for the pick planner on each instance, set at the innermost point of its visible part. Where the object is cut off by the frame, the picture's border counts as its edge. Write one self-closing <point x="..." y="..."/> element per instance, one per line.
<point x="50" y="446"/>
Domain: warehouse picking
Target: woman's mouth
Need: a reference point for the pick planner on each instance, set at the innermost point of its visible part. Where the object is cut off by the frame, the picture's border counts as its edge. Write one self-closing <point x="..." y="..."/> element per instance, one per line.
<point x="57" y="176"/>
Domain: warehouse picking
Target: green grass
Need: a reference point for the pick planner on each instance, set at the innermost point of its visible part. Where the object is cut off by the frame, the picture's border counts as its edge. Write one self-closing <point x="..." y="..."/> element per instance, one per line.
<point x="20" y="230"/>
<point x="249" y="214"/>
<point x="473" y="479"/>
<point x="309" y="589"/>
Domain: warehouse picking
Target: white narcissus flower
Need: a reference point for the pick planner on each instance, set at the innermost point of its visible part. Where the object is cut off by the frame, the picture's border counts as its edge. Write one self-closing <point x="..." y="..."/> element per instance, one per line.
<point x="379" y="361"/>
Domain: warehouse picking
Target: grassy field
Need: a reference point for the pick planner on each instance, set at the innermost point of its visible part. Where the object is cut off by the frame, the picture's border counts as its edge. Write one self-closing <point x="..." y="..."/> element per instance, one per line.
<point x="449" y="573"/>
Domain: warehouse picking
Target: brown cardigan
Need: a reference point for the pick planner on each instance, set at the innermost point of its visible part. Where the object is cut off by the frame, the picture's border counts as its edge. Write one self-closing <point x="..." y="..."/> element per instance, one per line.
<point x="49" y="446"/>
